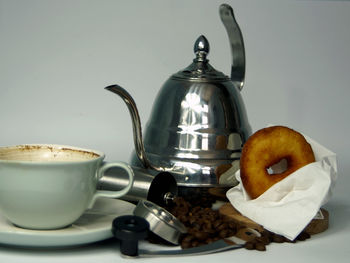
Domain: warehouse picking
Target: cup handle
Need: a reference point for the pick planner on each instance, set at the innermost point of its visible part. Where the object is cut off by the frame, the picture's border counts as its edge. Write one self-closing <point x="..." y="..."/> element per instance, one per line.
<point x="113" y="194"/>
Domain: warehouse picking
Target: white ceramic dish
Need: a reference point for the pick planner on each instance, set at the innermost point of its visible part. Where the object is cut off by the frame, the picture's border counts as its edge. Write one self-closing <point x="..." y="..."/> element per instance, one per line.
<point x="94" y="225"/>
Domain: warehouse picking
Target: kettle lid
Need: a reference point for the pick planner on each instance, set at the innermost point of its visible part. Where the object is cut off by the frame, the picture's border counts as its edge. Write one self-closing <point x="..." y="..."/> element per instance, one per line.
<point x="200" y="69"/>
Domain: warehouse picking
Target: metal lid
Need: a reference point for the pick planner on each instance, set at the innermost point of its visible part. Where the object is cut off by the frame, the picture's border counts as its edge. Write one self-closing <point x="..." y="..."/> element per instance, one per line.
<point x="200" y="69"/>
<point x="162" y="223"/>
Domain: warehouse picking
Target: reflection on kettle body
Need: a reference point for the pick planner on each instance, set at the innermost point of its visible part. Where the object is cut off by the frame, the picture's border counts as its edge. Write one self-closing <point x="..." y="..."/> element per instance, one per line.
<point x="193" y="119"/>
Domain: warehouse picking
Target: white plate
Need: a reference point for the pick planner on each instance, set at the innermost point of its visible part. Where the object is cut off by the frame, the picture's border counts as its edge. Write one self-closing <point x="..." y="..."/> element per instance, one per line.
<point x="94" y="225"/>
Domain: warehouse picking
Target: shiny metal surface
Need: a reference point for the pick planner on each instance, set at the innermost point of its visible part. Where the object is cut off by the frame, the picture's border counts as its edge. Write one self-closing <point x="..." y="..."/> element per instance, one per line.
<point x="198" y="123"/>
<point x="200" y="70"/>
<point x="215" y="247"/>
<point x="157" y="187"/>
<point x="195" y="129"/>
<point x="161" y="222"/>
<point x="136" y="122"/>
<point x="236" y="43"/>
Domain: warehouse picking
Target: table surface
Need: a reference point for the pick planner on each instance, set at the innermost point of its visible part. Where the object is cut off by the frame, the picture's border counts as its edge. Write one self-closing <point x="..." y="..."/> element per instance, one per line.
<point x="56" y="57"/>
<point x="324" y="247"/>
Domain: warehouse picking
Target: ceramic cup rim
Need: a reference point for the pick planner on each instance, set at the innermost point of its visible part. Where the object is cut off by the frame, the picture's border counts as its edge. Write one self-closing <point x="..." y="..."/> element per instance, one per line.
<point x="100" y="155"/>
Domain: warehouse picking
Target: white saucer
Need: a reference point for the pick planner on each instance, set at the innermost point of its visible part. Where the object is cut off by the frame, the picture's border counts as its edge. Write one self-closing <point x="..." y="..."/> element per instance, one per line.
<point x="94" y="225"/>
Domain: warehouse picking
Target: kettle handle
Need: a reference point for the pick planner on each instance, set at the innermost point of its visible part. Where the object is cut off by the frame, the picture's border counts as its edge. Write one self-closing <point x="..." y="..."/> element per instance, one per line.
<point x="236" y="44"/>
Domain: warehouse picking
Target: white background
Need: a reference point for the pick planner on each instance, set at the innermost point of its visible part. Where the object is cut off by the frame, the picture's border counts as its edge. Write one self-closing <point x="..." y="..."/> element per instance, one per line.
<point x="57" y="56"/>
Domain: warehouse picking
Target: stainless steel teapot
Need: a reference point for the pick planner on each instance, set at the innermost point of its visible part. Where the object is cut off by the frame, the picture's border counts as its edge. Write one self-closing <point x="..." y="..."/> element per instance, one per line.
<point x="198" y="123"/>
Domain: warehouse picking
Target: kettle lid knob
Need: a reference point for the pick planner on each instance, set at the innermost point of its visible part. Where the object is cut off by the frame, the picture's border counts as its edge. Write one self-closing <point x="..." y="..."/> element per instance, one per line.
<point x="200" y="70"/>
<point x="201" y="48"/>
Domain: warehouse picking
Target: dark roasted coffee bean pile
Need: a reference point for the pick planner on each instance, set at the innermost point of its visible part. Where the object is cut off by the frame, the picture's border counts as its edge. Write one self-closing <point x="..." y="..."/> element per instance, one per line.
<point x="204" y="225"/>
<point x="197" y="196"/>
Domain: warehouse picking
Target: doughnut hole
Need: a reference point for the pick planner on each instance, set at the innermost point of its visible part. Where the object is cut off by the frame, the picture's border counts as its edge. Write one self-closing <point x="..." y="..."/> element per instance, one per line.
<point x="277" y="168"/>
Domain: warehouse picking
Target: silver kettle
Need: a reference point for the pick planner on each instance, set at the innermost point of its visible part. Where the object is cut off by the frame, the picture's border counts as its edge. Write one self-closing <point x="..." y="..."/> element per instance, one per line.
<point x="198" y="123"/>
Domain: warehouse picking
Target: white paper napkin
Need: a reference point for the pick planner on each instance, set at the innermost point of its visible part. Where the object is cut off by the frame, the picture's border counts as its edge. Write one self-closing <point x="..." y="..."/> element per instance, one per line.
<point x="288" y="206"/>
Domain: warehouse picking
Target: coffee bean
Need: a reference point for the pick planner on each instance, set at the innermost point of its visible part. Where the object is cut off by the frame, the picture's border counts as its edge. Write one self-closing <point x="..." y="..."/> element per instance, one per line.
<point x="303" y="236"/>
<point x="260" y="246"/>
<point x="267" y="234"/>
<point x="191" y="219"/>
<point x="196" y="209"/>
<point x="188" y="238"/>
<point x="217" y="222"/>
<point x="183" y="218"/>
<point x="185" y="245"/>
<point x="249" y="245"/>
<point x="278" y="238"/>
<point x="195" y="243"/>
<point x="222" y="226"/>
<point x="201" y="235"/>
<point x="223" y="233"/>
<point x="233" y="226"/>
<point x="263" y="239"/>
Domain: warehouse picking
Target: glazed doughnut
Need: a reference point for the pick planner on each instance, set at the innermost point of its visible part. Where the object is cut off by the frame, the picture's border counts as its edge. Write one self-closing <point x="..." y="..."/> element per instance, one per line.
<point x="267" y="147"/>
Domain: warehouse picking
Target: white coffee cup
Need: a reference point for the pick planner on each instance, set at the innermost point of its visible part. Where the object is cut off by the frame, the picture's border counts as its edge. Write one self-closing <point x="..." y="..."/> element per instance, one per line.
<point x="46" y="186"/>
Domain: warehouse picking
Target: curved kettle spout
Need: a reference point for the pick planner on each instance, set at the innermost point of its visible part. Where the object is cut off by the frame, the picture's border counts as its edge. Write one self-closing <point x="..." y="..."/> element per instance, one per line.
<point x="136" y="123"/>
